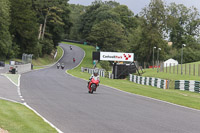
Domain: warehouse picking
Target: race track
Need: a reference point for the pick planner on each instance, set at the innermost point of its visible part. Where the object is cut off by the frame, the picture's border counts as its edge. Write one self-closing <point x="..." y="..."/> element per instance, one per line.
<point x="64" y="101"/>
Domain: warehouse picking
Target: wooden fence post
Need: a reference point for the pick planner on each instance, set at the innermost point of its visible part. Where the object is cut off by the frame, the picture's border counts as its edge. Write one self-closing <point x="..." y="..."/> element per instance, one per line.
<point x="166" y="67"/>
<point x="174" y="69"/>
<point x="189" y="69"/>
<point x="194" y="69"/>
<point x="185" y="69"/>
<point x="177" y="69"/>
<point x="199" y="70"/>
<point x="170" y="67"/>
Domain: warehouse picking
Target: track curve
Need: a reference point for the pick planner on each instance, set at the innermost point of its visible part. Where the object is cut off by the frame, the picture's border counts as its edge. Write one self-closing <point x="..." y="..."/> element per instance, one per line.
<point x="63" y="100"/>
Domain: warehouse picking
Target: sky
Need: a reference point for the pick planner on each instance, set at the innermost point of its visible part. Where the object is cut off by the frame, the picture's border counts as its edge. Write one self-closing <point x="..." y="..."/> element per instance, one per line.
<point x="137" y="5"/>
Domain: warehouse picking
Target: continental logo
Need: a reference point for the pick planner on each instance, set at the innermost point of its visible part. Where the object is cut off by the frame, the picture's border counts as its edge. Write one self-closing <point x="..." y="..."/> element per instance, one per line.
<point x="126" y="56"/>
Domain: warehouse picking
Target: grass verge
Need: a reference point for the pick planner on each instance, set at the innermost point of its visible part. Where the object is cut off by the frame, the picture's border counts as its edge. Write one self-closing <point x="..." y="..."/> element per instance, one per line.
<point x="170" y="76"/>
<point x="16" y="118"/>
<point x="43" y="61"/>
<point x="183" y="98"/>
<point x="47" y="59"/>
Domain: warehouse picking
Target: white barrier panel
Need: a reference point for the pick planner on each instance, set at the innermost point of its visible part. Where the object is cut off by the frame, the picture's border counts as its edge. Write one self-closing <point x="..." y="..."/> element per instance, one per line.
<point x="23" y="68"/>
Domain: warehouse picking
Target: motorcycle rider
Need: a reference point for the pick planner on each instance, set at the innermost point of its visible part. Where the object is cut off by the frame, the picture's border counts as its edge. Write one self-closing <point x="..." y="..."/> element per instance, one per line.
<point x="58" y="65"/>
<point x="95" y="75"/>
<point x="62" y="66"/>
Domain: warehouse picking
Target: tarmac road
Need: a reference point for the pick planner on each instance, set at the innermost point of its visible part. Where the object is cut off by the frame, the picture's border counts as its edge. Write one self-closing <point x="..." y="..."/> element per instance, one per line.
<point x="64" y="101"/>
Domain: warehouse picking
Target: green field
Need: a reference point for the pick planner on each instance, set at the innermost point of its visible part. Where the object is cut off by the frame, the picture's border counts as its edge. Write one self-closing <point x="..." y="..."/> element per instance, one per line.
<point x="184" y="98"/>
<point x="47" y="59"/>
<point x="173" y="76"/>
<point x="187" y="69"/>
<point x="16" y="118"/>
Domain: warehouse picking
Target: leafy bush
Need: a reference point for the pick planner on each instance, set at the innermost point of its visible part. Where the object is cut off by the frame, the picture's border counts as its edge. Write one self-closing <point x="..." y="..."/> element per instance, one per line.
<point x="47" y="46"/>
<point x="105" y="65"/>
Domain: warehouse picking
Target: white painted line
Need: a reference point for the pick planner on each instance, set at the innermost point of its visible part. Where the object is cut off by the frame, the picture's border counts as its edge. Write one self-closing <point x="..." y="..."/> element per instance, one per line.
<point x="153" y="99"/>
<point x="9" y="100"/>
<point x="24" y="103"/>
<point x="10" y="79"/>
<point x="59" y="131"/>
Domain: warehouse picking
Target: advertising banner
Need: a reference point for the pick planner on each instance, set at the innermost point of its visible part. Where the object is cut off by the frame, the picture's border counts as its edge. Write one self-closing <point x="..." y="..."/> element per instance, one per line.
<point x="115" y="56"/>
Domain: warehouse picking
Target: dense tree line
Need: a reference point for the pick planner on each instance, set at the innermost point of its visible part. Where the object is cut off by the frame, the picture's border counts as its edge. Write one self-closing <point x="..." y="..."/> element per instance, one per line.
<point x="113" y="27"/>
<point x="32" y="26"/>
<point x="37" y="26"/>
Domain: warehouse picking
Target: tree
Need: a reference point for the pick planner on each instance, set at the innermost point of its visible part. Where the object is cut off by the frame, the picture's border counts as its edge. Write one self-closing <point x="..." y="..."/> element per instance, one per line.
<point x="54" y="15"/>
<point x="151" y="31"/>
<point x="24" y="27"/>
<point x="5" y="37"/>
<point x="76" y="12"/>
<point x="95" y="13"/>
<point x="88" y="19"/>
<point x="109" y="36"/>
<point x="126" y="16"/>
<point x="183" y="23"/>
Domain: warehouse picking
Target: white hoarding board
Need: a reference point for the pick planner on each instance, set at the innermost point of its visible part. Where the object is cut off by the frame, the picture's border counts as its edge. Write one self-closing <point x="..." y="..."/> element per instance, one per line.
<point x="115" y="56"/>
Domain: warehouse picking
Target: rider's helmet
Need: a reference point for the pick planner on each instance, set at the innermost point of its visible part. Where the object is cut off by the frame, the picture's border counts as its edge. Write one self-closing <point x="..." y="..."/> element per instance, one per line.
<point x="95" y="72"/>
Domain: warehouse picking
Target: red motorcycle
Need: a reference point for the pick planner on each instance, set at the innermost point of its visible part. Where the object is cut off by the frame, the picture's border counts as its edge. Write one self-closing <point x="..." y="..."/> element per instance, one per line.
<point x="92" y="86"/>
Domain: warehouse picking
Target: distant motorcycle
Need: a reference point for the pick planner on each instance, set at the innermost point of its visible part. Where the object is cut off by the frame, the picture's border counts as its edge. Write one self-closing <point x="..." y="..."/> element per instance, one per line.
<point x="70" y="47"/>
<point x="74" y="60"/>
<point x="92" y="86"/>
<point x="58" y="65"/>
<point x="62" y="66"/>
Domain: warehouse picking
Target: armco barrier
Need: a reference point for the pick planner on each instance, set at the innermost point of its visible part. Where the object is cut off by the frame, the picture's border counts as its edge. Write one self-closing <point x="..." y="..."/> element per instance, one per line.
<point x="91" y="71"/>
<point x="189" y="85"/>
<point x="156" y="82"/>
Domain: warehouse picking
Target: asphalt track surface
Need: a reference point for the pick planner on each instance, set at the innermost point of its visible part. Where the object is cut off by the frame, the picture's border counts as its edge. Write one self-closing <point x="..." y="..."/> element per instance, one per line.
<point x="64" y="101"/>
<point x="8" y="90"/>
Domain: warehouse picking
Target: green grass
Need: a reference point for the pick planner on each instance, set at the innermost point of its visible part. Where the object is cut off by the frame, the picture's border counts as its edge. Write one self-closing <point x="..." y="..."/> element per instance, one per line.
<point x="173" y="76"/>
<point x="43" y="61"/>
<point x="185" y="69"/>
<point x="169" y="76"/>
<point x="16" y="118"/>
<point x="184" y="98"/>
<point x="47" y="59"/>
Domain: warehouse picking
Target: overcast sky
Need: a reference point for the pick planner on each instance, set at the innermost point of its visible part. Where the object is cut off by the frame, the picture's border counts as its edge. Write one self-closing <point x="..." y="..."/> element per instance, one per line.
<point x="137" y="5"/>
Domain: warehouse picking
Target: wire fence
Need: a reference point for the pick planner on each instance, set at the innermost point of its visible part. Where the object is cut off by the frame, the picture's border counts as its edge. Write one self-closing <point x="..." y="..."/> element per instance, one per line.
<point x="184" y="69"/>
<point x="27" y="58"/>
